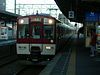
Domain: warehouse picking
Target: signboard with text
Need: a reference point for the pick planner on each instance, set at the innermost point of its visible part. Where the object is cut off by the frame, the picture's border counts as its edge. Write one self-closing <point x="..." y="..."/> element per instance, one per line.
<point x="92" y="16"/>
<point x="70" y="14"/>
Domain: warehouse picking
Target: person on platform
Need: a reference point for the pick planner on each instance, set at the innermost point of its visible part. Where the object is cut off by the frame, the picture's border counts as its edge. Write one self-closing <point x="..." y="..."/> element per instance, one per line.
<point x="93" y="42"/>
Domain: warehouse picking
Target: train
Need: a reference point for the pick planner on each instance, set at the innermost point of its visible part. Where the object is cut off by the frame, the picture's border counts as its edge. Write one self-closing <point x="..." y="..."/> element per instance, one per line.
<point x="38" y="36"/>
<point x="7" y="33"/>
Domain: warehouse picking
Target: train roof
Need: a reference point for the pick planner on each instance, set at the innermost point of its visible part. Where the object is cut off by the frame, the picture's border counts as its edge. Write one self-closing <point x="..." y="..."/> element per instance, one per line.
<point x="41" y="15"/>
<point x="44" y="15"/>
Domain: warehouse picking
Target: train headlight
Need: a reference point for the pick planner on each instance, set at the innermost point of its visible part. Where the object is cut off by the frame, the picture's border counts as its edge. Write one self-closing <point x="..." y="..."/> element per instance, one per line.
<point x="48" y="47"/>
<point x="51" y="21"/>
<point x="51" y="41"/>
<point x="21" y="21"/>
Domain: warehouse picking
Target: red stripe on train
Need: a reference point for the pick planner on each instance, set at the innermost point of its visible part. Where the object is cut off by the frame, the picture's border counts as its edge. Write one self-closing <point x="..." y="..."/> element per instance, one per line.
<point x="34" y="41"/>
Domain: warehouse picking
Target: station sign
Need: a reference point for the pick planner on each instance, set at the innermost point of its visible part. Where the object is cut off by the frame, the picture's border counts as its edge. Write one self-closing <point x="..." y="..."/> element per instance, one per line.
<point x="92" y="16"/>
<point x="36" y="19"/>
<point x="70" y="14"/>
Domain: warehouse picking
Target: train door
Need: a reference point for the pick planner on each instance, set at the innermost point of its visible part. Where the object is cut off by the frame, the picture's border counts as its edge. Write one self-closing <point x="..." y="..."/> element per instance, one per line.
<point x="36" y="40"/>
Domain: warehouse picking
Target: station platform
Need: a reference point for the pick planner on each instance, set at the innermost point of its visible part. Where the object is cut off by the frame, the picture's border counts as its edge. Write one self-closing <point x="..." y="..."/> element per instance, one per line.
<point x="7" y="42"/>
<point x="76" y="61"/>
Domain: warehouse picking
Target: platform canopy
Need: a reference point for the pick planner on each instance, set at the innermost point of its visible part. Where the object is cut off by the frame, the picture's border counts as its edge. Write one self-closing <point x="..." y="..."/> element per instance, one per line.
<point x="4" y="15"/>
<point x="79" y="7"/>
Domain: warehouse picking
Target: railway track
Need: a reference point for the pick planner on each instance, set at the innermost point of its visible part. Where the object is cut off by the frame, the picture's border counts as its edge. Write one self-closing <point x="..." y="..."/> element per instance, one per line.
<point x="14" y="68"/>
<point x="31" y="70"/>
<point x="8" y="59"/>
<point x="11" y="68"/>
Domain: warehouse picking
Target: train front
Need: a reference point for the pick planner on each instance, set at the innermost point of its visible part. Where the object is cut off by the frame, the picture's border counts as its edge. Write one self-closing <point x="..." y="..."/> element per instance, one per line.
<point x="36" y="38"/>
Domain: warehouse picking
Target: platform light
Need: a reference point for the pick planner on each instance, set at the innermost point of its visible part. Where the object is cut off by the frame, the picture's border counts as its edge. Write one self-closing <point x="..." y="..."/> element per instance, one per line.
<point x="99" y="26"/>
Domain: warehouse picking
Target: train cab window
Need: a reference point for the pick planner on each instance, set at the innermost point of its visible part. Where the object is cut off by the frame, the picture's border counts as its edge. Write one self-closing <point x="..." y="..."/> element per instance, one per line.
<point x="36" y="34"/>
<point x="23" y="31"/>
<point x="48" y="32"/>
